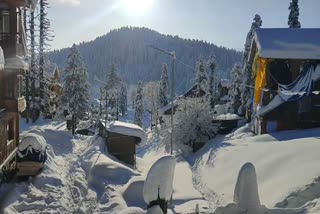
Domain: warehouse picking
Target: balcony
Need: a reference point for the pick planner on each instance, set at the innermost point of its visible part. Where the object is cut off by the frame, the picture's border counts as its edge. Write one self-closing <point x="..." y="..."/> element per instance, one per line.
<point x="15" y="105"/>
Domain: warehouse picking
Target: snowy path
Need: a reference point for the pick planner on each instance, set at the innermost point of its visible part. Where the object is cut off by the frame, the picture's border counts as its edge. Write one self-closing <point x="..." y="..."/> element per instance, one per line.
<point x="61" y="187"/>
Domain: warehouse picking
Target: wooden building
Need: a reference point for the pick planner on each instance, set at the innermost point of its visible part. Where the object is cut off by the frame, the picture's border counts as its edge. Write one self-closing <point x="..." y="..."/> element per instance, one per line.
<point x="286" y="72"/>
<point x="12" y="69"/>
<point x="121" y="140"/>
<point x="193" y="92"/>
<point x="54" y="77"/>
<point x="223" y="90"/>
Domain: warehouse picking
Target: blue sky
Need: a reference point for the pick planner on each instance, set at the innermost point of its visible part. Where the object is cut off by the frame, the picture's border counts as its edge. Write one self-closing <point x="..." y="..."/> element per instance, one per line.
<point x="222" y="22"/>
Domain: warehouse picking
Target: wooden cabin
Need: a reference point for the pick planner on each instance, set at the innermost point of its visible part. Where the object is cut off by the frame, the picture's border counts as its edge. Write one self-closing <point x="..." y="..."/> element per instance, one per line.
<point x="12" y="69"/>
<point x="121" y="140"/>
<point x="286" y="71"/>
<point x="193" y="92"/>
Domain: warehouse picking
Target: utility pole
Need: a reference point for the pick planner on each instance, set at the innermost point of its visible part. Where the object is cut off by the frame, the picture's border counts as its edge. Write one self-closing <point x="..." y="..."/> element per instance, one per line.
<point x="172" y="99"/>
<point x="174" y="58"/>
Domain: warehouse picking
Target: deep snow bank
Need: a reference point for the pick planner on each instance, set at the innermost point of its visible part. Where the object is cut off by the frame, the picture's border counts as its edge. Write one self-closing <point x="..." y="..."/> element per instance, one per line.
<point x="284" y="161"/>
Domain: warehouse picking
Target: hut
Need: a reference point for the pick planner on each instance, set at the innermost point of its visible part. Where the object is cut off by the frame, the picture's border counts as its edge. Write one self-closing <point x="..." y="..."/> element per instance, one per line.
<point x="121" y="140"/>
<point x="286" y="71"/>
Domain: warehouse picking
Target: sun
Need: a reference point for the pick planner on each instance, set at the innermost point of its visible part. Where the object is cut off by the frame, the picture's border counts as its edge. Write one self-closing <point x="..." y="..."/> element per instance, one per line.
<point x="137" y="7"/>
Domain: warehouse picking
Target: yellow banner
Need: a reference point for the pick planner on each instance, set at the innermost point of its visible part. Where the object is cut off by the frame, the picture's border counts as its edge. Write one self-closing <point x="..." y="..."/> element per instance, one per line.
<point x="261" y="78"/>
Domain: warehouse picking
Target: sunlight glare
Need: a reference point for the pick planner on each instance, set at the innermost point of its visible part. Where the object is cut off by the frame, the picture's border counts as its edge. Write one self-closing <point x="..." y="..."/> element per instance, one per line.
<point x="137" y="7"/>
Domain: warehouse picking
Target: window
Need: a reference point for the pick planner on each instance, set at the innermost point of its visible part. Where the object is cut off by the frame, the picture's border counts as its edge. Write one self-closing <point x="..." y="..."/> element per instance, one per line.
<point x="4" y="24"/>
<point x="10" y="131"/>
<point x="19" y="86"/>
<point x="10" y="85"/>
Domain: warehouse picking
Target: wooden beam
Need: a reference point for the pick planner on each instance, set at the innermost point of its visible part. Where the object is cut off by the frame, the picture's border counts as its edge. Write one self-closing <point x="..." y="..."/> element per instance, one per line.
<point x="13" y="154"/>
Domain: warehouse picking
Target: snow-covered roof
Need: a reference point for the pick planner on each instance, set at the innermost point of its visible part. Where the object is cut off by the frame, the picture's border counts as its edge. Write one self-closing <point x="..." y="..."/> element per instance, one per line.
<point x="227" y="116"/>
<point x="16" y="63"/>
<point x="128" y="129"/>
<point x="288" y="43"/>
<point x="52" y="69"/>
<point x="37" y="142"/>
<point x="225" y="83"/>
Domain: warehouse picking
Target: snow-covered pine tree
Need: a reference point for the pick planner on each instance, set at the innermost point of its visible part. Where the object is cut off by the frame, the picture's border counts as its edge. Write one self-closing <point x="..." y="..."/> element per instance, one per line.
<point x="293" y="19"/>
<point x="247" y="92"/>
<point x="211" y="64"/>
<point x="123" y="100"/>
<point x="139" y="107"/>
<point x="75" y="96"/>
<point x="164" y="86"/>
<point x="234" y="91"/>
<point x="44" y="38"/>
<point x="113" y="82"/>
<point x="201" y="77"/>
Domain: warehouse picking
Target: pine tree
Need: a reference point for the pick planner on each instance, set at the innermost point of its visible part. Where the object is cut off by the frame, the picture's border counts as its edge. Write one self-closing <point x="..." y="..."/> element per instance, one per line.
<point x="76" y="86"/>
<point x="211" y="64"/>
<point x="293" y="19"/>
<point x="44" y="38"/>
<point x="234" y="91"/>
<point x="164" y="86"/>
<point x="113" y="82"/>
<point x="247" y="92"/>
<point x="201" y="76"/>
<point x="139" y="107"/>
<point x="123" y="100"/>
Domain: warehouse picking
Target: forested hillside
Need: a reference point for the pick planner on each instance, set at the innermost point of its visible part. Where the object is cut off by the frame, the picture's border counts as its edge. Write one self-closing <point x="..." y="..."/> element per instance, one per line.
<point x="128" y="49"/>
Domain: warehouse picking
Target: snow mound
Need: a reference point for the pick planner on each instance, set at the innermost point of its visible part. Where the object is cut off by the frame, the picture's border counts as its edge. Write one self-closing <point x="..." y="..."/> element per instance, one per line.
<point x="246" y="191"/>
<point x="128" y="129"/>
<point x="106" y="171"/>
<point x="159" y="181"/>
<point x="133" y="193"/>
<point x="132" y="210"/>
<point x="154" y="210"/>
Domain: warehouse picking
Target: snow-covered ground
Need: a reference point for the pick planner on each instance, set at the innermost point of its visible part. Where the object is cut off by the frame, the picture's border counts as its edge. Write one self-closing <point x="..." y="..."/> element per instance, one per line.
<point x="81" y="177"/>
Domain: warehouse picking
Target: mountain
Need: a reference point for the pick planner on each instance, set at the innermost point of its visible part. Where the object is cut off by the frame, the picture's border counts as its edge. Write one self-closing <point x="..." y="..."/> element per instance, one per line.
<point x="129" y="49"/>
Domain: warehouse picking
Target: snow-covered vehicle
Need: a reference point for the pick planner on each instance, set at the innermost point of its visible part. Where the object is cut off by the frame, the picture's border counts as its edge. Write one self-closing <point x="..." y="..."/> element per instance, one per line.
<point x="31" y="155"/>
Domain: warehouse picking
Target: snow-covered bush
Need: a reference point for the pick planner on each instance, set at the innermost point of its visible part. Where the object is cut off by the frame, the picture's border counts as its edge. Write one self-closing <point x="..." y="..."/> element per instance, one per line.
<point x="192" y="124"/>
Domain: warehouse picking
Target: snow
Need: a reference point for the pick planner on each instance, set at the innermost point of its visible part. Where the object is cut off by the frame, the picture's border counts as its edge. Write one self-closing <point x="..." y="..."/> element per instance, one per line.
<point x="128" y="129"/>
<point x="80" y="176"/>
<point x="1" y="58"/>
<point x="274" y="103"/>
<point x="225" y="83"/>
<point x="154" y="210"/>
<point x="246" y="191"/>
<point x="159" y="181"/>
<point x="16" y="63"/>
<point x="227" y="116"/>
<point x="288" y="43"/>
<point x="37" y="142"/>
<point x="220" y="109"/>
<point x="284" y="161"/>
